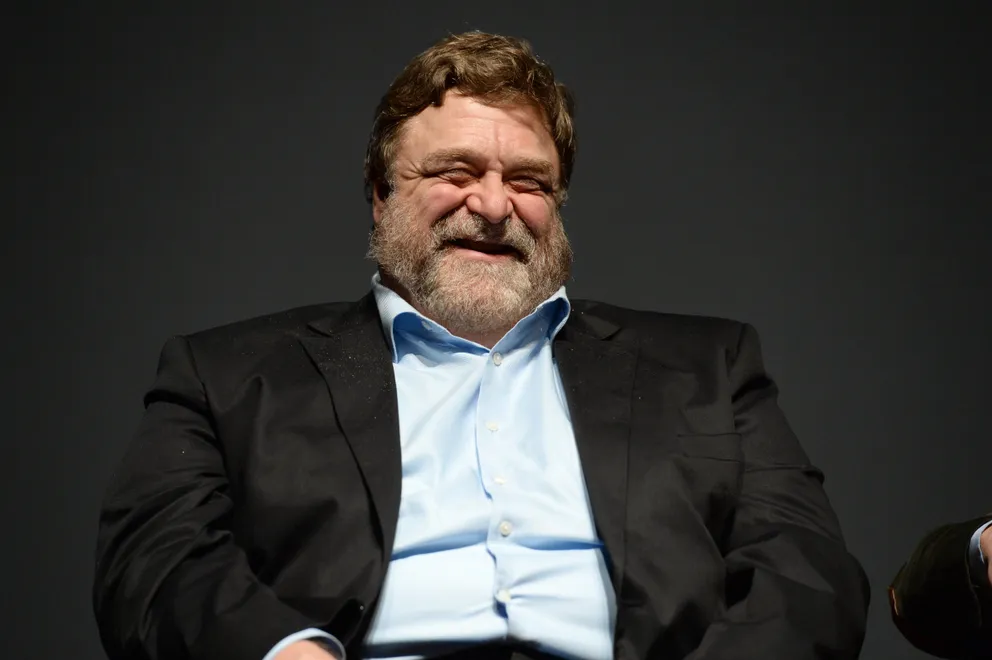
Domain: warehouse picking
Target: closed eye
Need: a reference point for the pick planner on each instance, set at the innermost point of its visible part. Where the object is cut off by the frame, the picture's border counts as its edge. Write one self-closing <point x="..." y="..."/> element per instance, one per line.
<point x="530" y="184"/>
<point x="456" y="174"/>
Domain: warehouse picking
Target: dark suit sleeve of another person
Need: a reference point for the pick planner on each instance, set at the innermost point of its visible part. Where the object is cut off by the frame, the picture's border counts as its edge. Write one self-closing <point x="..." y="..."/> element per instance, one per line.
<point x="937" y="601"/>
<point x="171" y="582"/>
<point x="792" y="588"/>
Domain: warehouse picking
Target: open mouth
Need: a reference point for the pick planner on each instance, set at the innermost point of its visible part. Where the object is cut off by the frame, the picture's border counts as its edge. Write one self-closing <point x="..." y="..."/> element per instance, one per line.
<point x="486" y="247"/>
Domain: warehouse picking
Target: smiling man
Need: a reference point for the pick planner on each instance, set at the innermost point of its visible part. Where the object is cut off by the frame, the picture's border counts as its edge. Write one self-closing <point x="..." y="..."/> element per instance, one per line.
<point x="465" y="463"/>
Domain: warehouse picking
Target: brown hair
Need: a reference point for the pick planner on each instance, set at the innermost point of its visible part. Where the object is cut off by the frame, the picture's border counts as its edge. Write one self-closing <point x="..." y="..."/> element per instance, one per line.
<point x="493" y="68"/>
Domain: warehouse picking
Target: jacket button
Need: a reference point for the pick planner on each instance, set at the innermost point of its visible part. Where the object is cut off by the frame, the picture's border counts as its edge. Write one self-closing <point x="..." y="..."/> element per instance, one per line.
<point x="346" y="621"/>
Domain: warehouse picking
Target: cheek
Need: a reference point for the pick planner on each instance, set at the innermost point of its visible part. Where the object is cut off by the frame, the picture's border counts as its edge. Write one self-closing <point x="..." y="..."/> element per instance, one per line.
<point x="438" y="201"/>
<point x="536" y="212"/>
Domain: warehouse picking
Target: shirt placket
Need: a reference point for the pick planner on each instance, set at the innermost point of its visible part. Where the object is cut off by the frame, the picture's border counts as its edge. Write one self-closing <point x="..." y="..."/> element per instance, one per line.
<point x="493" y="424"/>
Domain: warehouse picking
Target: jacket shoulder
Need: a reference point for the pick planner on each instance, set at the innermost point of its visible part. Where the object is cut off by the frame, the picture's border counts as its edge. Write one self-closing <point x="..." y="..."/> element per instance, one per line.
<point x="679" y="331"/>
<point x="289" y="322"/>
<point x="231" y="350"/>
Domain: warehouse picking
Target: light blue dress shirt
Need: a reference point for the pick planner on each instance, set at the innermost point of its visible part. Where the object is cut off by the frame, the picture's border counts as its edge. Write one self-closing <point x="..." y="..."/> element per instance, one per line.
<point x="495" y="538"/>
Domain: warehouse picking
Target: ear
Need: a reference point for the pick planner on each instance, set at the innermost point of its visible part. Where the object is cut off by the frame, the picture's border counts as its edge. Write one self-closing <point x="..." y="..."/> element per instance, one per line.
<point x="378" y="203"/>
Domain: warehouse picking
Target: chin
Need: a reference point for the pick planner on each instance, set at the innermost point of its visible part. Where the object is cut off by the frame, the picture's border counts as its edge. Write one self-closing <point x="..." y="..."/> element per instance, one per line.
<point x="484" y="298"/>
<point x="494" y="281"/>
<point x="466" y="266"/>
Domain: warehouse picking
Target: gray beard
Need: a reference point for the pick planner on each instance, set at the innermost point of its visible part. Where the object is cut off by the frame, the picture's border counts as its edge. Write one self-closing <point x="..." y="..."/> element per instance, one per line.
<point x="465" y="295"/>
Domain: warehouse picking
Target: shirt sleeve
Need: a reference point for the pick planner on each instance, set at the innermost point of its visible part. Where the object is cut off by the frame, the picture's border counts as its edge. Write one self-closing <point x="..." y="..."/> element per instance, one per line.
<point x="313" y="634"/>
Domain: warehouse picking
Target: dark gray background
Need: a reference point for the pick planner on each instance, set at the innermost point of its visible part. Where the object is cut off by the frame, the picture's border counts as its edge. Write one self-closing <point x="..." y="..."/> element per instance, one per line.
<point x="824" y="176"/>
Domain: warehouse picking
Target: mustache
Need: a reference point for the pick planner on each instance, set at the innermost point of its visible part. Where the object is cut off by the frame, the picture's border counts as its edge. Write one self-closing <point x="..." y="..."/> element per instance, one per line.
<point x="510" y="233"/>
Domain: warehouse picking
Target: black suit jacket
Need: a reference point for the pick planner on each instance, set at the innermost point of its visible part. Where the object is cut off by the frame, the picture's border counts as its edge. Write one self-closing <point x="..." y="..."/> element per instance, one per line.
<point x="936" y="601"/>
<point x="260" y="495"/>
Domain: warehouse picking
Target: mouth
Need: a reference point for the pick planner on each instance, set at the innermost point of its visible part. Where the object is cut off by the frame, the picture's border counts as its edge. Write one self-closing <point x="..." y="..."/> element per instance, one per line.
<point x="486" y="247"/>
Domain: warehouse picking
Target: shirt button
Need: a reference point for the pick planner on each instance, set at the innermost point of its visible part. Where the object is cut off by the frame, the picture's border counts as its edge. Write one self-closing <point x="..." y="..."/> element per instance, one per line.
<point x="505" y="528"/>
<point x="492" y="426"/>
<point x="499" y="481"/>
<point x="427" y="326"/>
<point x="497" y="359"/>
<point x="503" y="596"/>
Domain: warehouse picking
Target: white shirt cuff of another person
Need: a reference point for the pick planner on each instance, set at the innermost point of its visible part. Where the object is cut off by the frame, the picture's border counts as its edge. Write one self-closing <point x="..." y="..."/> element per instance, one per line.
<point x="314" y="635"/>
<point x="976" y="558"/>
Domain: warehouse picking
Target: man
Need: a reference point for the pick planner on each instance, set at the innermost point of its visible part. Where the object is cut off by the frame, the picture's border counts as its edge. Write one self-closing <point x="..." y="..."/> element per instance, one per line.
<point x="941" y="598"/>
<point x="466" y="463"/>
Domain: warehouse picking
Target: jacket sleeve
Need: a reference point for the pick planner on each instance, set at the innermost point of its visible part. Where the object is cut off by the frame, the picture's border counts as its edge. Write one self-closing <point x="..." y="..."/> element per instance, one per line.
<point x="171" y="582"/>
<point x="792" y="588"/>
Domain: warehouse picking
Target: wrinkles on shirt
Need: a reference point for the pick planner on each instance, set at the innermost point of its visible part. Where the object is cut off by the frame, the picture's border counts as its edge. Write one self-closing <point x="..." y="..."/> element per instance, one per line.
<point x="495" y="537"/>
<point x="437" y="462"/>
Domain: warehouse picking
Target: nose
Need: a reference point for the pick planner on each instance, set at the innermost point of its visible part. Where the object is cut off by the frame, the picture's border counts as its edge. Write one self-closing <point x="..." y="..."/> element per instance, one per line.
<point x="489" y="199"/>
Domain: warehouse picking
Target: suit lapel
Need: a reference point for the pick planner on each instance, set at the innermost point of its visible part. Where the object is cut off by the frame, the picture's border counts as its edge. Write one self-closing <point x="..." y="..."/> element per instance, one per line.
<point x="598" y="377"/>
<point x="353" y="357"/>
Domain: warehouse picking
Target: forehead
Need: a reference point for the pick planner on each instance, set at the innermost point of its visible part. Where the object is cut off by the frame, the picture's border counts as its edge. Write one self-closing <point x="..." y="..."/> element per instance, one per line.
<point x="497" y="132"/>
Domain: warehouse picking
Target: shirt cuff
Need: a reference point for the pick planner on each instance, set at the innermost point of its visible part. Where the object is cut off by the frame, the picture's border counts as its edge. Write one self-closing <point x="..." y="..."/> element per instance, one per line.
<point x="977" y="559"/>
<point x="313" y="634"/>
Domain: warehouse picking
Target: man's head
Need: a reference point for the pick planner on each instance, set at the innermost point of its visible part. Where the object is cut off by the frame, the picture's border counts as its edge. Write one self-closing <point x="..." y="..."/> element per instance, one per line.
<point x="468" y="164"/>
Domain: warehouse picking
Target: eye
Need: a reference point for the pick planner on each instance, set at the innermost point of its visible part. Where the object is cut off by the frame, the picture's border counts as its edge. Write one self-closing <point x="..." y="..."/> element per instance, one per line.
<point x="456" y="174"/>
<point x="530" y="184"/>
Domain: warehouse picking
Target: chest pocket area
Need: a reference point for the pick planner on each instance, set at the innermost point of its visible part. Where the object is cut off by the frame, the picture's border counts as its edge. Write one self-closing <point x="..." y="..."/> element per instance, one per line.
<point x="712" y="468"/>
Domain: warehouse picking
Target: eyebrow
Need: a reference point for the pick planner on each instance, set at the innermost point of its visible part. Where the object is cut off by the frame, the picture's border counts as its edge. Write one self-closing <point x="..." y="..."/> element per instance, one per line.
<point x="442" y="158"/>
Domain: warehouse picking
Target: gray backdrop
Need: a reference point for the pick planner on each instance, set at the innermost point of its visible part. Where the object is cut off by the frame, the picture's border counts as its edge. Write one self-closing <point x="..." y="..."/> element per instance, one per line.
<point x="824" y="176"/>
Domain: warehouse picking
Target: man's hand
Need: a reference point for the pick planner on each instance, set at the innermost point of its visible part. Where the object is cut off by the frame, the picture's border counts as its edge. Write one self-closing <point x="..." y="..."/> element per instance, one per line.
<point x="986" y="544"/>
<point x="305" y="650"/>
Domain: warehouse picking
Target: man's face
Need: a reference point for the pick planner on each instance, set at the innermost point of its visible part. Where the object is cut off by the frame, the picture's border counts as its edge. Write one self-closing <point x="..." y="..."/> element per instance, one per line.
<point x="470" y="232"/>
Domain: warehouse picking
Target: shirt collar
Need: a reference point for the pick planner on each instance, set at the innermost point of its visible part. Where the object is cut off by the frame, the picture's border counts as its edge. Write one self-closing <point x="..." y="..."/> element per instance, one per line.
<point x="398" y="317"/>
